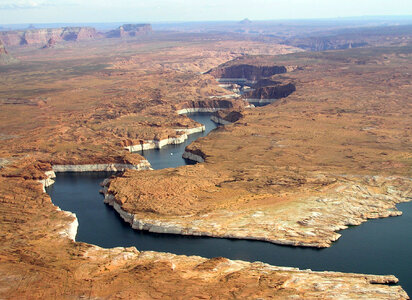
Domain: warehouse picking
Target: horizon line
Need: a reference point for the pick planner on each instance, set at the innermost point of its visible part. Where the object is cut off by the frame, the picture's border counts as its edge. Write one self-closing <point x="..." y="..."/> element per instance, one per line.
<point x="227" y="20"/>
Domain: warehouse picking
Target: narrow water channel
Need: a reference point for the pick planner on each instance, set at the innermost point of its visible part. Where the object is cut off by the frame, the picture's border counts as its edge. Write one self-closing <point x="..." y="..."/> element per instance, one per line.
<point x="380" y="246"/>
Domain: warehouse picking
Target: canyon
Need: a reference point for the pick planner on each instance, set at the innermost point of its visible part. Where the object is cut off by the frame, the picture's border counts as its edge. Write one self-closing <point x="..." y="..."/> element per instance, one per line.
<point x="293" y="172"/>
<point x="49" y="37"/>
<point x="130" y="30"/>
<point x="43" y="36"/>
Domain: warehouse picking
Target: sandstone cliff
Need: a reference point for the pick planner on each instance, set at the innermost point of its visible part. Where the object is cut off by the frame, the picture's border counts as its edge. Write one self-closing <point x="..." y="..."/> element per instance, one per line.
<point x="354" y="38"/>
<point x="5" y="57"/>
<point x="130" y="30"/>
<point x="43" y="36"/>
<point x="50" y="44"/>
<point x="276" y="91"/>
<point x="246" y="71"/>
<point x="210" y="105"/>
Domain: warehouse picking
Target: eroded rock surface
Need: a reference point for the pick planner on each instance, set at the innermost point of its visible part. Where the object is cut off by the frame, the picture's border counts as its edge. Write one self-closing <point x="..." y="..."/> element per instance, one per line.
<point x="332" y="154"/>
<point x="79" y="107"/>
<point x="43" y="36"/>
<point x="130" y="30"/>
<point x="5" y="57"/>
<point x="40" y="261"/>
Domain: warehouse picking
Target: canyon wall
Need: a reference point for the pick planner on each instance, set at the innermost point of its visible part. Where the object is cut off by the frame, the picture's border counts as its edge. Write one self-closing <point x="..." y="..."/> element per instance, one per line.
<point x="271" y="92"/>
<point x="5" y="57"/>
<point x="325" y="43"/>
<point x="130" y="30"/>
<point x="43" y="36"/>
<point x="211" y="105"/>
<point x="246" y="71"/>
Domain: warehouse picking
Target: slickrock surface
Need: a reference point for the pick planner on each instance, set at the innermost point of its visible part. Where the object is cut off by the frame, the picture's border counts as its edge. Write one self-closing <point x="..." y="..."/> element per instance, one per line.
<point x="334" y="153"/>
<point x="40" y="261"/>
<point x="89" y="112"/>
<point x="79" y="106"/>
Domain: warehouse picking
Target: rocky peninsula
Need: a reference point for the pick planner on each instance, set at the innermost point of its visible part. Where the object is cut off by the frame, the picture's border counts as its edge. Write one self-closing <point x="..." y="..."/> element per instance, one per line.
<point x="294" y="173"/>
<point x="308" y="158"/>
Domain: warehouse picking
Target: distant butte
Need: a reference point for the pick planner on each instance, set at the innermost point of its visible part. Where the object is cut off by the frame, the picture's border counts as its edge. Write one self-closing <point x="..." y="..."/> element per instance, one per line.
<point x="42" y="36"/>
<point x="130" y="30"/>
<point x="245" y="21"/>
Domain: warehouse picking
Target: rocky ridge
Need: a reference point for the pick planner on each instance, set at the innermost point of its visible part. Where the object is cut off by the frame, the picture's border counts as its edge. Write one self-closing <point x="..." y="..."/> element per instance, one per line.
<point x="130" y="30"/>
<point x="5" y="57"/>
<point x="43" y="36"/>
<point x="77" y="270"/>
<point x="246" y="72"/>
<point x="40" y="260"/>
<point x="294" y="179"/>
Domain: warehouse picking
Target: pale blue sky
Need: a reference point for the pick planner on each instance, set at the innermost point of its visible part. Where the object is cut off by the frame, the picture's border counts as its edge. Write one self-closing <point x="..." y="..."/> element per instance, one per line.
<point x="66" y="11"/>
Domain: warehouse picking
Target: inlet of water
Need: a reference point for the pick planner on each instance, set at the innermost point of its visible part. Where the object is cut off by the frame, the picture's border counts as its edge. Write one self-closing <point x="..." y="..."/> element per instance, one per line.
<point x="379" y="246"/>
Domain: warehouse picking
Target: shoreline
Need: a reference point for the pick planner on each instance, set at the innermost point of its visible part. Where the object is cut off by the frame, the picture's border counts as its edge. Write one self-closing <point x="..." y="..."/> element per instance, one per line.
<point x="156" y="226"/>
<point x="158" y="144"/>
<point x="184" y="225"/>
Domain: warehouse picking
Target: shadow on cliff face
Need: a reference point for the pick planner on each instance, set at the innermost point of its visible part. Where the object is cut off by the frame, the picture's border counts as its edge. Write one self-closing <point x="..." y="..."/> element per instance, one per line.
<point x="246" y="71"/>
<point x="272" y="91"/>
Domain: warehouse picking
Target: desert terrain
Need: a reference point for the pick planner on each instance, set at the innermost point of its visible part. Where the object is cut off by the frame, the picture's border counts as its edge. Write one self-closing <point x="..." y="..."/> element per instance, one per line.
<point x="332" y="154"/>
<point x="332" y="150"/>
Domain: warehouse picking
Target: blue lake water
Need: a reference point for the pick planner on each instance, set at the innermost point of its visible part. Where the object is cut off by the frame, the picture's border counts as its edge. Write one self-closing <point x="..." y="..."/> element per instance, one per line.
<point x="382" y="246"/>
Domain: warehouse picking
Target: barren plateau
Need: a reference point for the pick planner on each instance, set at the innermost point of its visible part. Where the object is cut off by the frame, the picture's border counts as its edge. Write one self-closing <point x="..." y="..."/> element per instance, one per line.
<point x="333" y="152"/>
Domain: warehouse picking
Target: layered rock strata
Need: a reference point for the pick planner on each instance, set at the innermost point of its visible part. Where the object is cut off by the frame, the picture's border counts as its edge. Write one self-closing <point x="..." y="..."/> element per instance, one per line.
<point x="43" y="239"/>
<point x="294" y="173"/>
<point x="312" y="221"/>
<point x="210" y="106"/>
<point x="245" y="72"/>
<point x="43" y="36"/>
<point x="226" y="117"/>
<point x="158" y="144"/>
<point x="113" y="167"/>
<point x="130" y="30"/>
<point x="40" y="260"/>
<point x="269" y="93"/>
<point x="5" y="57"/>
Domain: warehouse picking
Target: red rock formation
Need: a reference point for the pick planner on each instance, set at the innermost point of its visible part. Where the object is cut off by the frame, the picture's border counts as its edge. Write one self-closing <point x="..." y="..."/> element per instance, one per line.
<point x="130" y="30"/>
<point x="2" y="49"/>
<point x="229" y="115"/>
<point x="42" y="36"/>
<point x="271" y="92"/>
<point x="5" y="57"/>
<point x="216" y="103"/>
<point x="245" y="71"/>
<point x="50" y="44"/>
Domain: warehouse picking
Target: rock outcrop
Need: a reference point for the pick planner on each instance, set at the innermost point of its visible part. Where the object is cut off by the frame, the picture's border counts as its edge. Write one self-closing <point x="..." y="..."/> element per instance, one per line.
<point x="5" y="57"/>
<point x="211" y="105"/>
<point x="270" y="92"/>
<point x="293" y="173"/>
<point x="77" y="111"/>
<point x="225" y="117"/>
<point x="245" y="22"/>
<point x="51" y="43"/>
<point x="245" y="72"/>
<point x="367" y="36"/>
<point x="325" y="43"/>
<point x="130" y="30"/>
<point x="43" y="36"/>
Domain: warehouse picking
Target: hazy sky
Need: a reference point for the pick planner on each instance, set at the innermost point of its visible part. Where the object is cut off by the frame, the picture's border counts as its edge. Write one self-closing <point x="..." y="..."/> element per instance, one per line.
<point x="65" y="11"/>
